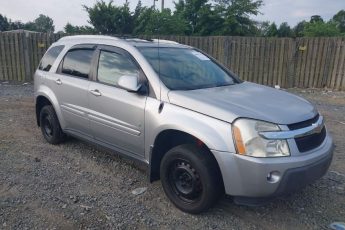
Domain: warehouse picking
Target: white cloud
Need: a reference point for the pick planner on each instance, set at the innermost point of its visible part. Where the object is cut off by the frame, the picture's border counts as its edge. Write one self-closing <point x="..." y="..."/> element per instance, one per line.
<point x="300" y="13"/>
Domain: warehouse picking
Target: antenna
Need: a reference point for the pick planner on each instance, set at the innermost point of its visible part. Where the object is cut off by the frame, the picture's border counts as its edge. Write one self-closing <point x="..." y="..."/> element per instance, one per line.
<point x="158" y="46"/>
<point x="159" y="72"/>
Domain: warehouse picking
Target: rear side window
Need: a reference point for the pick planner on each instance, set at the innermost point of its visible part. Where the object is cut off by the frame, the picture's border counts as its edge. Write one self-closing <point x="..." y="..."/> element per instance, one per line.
<point x="112" y="66"/>
<point x="50" y="57"/>
<point x="77" y="63"/>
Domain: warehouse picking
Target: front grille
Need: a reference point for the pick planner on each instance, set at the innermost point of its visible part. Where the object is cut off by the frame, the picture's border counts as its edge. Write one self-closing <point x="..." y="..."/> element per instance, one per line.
<point x="311" y="141"/>
<point x="304" y="124"/>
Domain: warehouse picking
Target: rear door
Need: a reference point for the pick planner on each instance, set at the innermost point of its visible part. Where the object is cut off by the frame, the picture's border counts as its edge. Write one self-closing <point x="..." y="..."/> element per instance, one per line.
<point x="72" y="82"/>
<point x="116" y="115"/>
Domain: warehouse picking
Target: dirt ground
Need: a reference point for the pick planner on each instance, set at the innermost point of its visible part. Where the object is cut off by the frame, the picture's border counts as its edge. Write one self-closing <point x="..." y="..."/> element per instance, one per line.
<point x="75" y="185"/>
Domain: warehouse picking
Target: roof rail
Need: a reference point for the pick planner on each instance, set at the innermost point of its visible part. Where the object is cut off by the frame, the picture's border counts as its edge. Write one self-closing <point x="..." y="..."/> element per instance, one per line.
<point x="76" y="37"/>
<point x="137" y="40"/>
<point x="164" y="41"/>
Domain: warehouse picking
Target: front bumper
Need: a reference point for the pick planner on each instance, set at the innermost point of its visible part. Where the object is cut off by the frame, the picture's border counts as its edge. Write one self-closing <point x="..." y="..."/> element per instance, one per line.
<point x="246" y="177"/>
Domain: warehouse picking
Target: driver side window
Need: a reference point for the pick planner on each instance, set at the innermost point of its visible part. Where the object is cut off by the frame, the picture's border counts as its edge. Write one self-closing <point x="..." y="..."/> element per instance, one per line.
<point x="111" y="66"/>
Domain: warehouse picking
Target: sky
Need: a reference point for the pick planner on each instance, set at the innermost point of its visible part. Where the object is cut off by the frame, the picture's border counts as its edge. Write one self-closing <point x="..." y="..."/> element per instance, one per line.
<point x="63" y="11"/>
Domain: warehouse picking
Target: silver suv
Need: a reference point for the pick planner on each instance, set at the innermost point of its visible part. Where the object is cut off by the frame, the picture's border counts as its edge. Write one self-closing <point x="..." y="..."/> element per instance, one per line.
<point x="198" y="128"/>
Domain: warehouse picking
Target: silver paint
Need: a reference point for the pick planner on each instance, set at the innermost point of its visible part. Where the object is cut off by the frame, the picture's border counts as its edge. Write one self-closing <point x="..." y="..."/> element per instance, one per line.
<point x="129" y="123"/>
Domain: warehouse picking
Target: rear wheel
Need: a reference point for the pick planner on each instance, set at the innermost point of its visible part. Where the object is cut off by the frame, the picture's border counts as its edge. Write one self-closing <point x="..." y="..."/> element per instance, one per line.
<point x="191" y="179"/>
<point x="50" y="125"/>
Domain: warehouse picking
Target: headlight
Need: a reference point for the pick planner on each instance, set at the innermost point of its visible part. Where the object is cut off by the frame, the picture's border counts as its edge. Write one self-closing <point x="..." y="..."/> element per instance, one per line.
<point x="250" y="143"/>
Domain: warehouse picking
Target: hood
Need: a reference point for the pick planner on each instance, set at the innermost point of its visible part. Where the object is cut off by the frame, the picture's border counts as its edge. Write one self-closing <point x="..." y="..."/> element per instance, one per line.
<point x="245" y="100"/>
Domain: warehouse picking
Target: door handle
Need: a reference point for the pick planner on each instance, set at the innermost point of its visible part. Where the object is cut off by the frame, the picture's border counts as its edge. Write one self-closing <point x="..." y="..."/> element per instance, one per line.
<point x="58" y="81"/>
<point x="96" y="92"/>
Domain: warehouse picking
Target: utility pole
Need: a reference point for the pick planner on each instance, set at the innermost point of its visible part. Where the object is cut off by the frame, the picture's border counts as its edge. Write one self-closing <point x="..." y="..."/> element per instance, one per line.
<point x="162" y="5"/>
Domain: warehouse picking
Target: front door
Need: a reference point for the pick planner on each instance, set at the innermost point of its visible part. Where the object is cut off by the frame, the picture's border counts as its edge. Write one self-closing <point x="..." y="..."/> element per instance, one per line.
<point x="116" y="115"/>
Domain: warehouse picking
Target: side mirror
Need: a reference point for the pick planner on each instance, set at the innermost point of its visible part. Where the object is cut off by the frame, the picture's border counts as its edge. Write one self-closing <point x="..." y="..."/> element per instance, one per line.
<point x="129" y="83"/>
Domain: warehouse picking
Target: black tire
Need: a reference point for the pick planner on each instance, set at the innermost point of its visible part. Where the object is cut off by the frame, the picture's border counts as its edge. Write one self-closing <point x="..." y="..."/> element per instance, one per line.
<point x="50" y="125"/>
<point x="191" y="178"/>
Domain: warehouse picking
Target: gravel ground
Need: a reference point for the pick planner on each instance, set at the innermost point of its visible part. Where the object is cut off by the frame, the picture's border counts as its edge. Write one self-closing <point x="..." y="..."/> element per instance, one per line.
<point x="75" y="185"/>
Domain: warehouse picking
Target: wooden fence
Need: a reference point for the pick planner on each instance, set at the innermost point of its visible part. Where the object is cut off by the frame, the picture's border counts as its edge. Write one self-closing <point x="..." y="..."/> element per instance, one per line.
<point x="21" y="52"/>
<point x="288" y="62"/>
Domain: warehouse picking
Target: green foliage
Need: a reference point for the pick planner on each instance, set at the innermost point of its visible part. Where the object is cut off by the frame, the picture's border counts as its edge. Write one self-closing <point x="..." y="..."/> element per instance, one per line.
<point x="107" y="18"/>
<point x="272" y="30"/>
<point x="191" y="11"/>
<point x="317" y="27"/>
<point x="190" y="17"/>
<point x="42" y="24"/>
<point x="17" y="25"/>
<point x="209" y="22"/>
<point x="151" y="21"/>
<point x="198" y="17"/>
<point x="4" y="23"/>
<point x="299" y="29"/>
<point x="321" y="29"/>
<point x="316" y="18"/>
<point x="284" y="30"/>
<point x="237" y="16"/>
<point x="70" y="29"/>
<point x="339" y="20"/>
<point x="262" y="28"/>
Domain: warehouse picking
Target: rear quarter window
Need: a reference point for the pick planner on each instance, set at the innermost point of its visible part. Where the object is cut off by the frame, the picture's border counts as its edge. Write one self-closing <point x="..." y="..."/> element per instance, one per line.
<point x="49" y="58"/>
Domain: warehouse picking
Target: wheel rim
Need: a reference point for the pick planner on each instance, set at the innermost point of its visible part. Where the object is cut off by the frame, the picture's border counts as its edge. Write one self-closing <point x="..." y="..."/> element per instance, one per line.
<point x="185" y="181"/>
<point x="47" y="126"/>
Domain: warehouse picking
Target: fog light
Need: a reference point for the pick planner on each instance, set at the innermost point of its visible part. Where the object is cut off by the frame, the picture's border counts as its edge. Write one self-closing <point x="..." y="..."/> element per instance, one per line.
<point x="273" y="177"/>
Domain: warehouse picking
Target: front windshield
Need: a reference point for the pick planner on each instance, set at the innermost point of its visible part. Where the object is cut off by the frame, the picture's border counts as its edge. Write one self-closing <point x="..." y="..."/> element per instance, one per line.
<point x="186" y="69"/>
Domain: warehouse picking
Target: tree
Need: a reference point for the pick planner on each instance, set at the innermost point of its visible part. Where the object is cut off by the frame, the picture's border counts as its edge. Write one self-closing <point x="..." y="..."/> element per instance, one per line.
<point x="191" y="17"/>
<point x="151" y="22"/>
<point x="263" y="28"/>
<point x="43" y="24"/>
<point x="284" y="30"/>
<point x="299" y="29"/>
<point x="170" y="23"/>
<point x="339" y="19"/>
<point x="16" y="25"/>
<point x="138" y="10"/>
<point x="237" y="13"/>
<point x="272" y="30"/>
<point x="70" y="29"/>
<point x="209" y="22"/>
<point x="110" y="19"/>
<point x="190" y="11"/>
<point x="321" y="29"/>
<point x="316" y="27"/>
<point x="28" y="26"/>
<point x="4" y="23"/>
<point x="316" y="18"/>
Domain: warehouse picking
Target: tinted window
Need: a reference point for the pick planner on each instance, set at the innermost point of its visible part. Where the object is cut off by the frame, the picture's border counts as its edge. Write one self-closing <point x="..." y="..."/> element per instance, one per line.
<point x="112" y="66"/>
<point x="49" y="58"/>
<point x="77" y="63"/>
<point x="186" y="69"/>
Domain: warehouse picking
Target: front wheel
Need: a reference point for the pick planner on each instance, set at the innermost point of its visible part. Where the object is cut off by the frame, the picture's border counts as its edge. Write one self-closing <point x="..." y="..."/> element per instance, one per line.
<point x="191" y="178"/>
